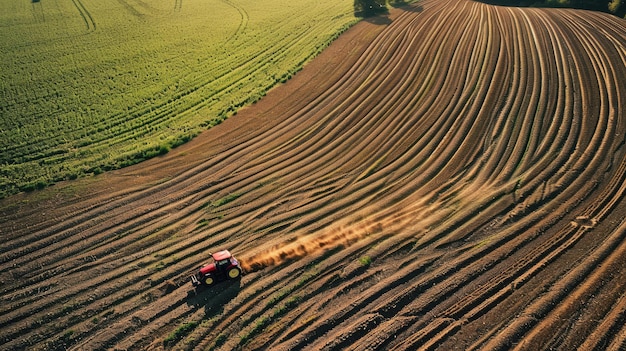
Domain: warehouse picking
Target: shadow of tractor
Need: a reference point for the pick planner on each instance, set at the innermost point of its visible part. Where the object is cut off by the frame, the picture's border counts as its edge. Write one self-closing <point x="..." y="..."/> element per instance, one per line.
<point x="213" y="298"/>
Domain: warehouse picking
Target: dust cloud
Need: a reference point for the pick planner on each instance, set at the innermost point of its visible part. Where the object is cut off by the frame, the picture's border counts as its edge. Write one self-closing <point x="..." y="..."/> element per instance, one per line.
<point x="305" y="245"/>
<point x="341" y="235"/>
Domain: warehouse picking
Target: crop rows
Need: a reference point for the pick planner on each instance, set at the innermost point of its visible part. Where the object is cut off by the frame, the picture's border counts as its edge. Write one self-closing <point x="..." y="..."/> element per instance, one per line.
<point x="136" y="77"/>
<point x="454" y="178"/>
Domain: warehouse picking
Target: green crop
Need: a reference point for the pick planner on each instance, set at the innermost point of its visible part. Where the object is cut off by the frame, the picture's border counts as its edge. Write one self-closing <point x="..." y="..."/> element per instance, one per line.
<point x="92" y="85"/>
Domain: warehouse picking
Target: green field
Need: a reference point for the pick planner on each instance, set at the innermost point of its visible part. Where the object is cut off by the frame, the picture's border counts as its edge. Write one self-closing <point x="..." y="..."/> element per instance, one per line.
<point x="92" y="85"/>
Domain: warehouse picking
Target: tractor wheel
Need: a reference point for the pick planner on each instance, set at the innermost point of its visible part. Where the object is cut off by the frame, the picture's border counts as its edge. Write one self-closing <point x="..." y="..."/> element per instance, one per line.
<point x="234" y="273"/>
<point x="208" y="280"/>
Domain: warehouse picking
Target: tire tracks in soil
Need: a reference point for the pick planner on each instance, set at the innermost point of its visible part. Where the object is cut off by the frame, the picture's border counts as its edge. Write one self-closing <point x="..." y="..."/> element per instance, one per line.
<point x="473" y="153"/>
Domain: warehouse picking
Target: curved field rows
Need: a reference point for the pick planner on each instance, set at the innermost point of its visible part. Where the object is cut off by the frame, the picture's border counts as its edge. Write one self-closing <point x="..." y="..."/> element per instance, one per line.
<point x="149" y="78"/>
<point x="450" y="177"/>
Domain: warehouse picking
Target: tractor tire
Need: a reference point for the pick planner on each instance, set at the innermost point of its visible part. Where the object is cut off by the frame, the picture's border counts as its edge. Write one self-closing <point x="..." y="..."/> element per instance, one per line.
<point x="208" y="280"/>
<point x="234" y="273"/>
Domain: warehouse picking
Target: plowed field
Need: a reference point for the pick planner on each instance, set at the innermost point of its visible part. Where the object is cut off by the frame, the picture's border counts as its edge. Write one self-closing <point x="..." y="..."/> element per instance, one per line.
<point x="451" y="176"/>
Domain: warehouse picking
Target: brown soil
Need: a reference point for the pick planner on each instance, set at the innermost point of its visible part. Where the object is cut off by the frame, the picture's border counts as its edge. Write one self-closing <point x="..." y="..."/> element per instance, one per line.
<point x="450" y="176"/>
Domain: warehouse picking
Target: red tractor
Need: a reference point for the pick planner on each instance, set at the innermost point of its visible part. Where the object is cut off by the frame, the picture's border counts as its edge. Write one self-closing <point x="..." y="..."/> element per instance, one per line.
<point x="224" y="267"/>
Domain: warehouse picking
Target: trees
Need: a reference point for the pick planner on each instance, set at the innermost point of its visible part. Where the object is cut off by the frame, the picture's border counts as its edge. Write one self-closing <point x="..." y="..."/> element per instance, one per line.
<point x="365" y="8"/>
<point x="616" y="7"/>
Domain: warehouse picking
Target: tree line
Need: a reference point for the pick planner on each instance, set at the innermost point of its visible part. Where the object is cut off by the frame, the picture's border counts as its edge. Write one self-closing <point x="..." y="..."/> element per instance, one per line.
<point x="365" y="8"/>
<point x="616" y="7"/>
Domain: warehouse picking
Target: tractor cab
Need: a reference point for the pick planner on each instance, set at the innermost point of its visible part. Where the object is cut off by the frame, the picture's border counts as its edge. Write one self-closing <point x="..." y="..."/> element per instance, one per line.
<point x="224" y="266"/>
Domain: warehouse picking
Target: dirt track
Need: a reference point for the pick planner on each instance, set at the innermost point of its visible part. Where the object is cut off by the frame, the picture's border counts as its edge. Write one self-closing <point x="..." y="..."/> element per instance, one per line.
<point x="474" y="153"/>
